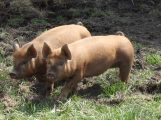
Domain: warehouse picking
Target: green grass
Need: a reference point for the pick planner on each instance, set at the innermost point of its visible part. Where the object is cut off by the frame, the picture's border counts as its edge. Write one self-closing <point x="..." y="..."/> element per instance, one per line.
<point x="153" y="59"/>
<point x="110" y="83"/>
<point x="157" y="97"/>
<point x="114" y="88"/>
<point x="134" y="105"/>
<point x="78" y="108"/>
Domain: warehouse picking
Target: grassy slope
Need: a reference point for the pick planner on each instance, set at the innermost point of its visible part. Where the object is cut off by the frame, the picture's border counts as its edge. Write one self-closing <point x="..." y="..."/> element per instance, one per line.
<point x="116" y="100"/>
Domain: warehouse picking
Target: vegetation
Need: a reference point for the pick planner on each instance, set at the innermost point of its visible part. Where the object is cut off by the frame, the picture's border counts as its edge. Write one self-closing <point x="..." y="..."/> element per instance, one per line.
<point x="154" y="59"/>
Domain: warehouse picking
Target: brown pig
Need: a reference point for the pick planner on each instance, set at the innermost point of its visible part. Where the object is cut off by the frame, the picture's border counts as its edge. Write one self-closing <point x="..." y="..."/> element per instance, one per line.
<point x="28" y="59"/>
<point x="88" y="57"/>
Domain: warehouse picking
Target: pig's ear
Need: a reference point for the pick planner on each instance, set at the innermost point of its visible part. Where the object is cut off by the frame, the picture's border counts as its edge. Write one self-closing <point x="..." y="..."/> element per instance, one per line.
<point x="46" y="50"/>
<point x="16" y="46"/>
<point x="31" y="52"/>
<point x="66" y="52"/>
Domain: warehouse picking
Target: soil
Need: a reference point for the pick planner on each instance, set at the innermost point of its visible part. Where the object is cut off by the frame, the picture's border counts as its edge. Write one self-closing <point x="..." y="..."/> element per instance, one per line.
<point x="153" y="86"/>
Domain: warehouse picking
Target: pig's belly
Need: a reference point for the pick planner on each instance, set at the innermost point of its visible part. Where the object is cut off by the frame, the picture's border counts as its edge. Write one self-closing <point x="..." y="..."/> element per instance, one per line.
<point x="96" y="68"/>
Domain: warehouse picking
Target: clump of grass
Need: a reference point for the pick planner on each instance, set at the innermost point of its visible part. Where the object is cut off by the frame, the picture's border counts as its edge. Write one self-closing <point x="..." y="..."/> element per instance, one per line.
<point x="97" y="13"/>
<point x="157" y="97"/>
<point x="3" y="34"/>
<point x="16" y="22"/>
<point x="60" y="18"/>
<point x="38" y="21"/>
<point x="110" y="82"/>
<point x="3" y="75"/>
<point x="112" y="89"/>
<point x="75" y="12"/>
<point x="153" y="59"/>
<point x="137" y="45"/>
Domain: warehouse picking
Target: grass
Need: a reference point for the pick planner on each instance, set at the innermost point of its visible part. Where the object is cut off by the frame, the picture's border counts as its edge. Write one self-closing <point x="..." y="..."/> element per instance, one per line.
<point x="16" y="22"/>
<point x="39" y="21"/>
<point x="109" y="90"/>
<point x="78" y="108"/>
<point x="134" y="105"/>
<point x="153" y="59"/>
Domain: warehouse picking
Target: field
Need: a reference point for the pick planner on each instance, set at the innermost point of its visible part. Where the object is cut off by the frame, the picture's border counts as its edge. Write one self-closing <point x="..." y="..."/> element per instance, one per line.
<point x="102" y="97"/>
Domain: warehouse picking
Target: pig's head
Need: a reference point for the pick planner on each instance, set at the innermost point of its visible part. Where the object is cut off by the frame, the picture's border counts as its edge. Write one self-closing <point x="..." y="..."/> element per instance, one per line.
<point x="24" y="62"/>
<point x="56" y="61"/>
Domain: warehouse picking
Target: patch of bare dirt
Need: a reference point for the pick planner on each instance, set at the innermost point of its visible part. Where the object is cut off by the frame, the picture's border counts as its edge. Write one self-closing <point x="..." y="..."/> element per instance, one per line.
<point x="150" y="88"/>
<point x="139" y="62"/>
<point x="89" y="88"/>
<point x="153" y="86"/>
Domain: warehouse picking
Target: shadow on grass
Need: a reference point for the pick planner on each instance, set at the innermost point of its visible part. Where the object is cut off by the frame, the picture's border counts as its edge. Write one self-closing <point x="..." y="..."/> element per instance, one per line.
<point x="91" y="92"/>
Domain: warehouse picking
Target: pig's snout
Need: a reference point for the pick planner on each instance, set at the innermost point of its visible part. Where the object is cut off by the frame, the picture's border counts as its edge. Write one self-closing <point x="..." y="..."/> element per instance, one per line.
<point x="51" y="76"/>
<point x="13" y="75"/>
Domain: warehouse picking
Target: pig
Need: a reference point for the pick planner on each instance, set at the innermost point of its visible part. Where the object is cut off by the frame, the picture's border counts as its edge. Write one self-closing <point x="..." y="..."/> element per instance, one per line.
<point x="28" y="59"/>
<point x="86" y="58"/>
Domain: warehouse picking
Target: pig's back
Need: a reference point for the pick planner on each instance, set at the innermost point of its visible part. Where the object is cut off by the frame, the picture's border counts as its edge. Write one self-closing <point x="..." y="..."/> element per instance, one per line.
<point x="93" y="47"/>
<point x="58" y="36"/>
<point x="92" y="44"/>
<point x="63" y="34"/>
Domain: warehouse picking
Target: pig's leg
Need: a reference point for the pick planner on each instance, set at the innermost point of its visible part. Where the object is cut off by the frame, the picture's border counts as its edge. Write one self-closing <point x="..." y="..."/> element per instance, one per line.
<point x="69" y="86"/>
<point x="124" y="71"/>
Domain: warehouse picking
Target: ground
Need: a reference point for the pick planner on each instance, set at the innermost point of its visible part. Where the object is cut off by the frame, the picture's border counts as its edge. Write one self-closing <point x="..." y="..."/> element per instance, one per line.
<point x="101" y="97"/>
